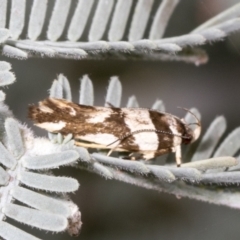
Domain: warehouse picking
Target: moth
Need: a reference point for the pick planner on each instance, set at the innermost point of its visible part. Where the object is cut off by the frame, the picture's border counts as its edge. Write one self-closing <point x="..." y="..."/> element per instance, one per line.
<point x="147" y="132"/>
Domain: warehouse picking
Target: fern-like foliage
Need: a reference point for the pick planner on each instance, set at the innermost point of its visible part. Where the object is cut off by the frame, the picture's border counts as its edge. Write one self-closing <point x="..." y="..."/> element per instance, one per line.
<point x="123" y="29"/>
<point x="25" y="176"/>
<point x="114" y="29"/>
<point x="27" y="161"/>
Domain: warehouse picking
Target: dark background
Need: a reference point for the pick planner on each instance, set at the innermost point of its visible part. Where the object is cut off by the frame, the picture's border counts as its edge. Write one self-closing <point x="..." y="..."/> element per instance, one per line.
<point x="115" y="210"/>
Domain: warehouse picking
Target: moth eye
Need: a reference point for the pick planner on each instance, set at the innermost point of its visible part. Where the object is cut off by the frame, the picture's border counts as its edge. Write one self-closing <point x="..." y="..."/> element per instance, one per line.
<point x="187" y="138"/>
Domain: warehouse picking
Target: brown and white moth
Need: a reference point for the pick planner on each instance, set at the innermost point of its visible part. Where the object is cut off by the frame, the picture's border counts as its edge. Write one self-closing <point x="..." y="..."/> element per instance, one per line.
<point x="136" y="130"/>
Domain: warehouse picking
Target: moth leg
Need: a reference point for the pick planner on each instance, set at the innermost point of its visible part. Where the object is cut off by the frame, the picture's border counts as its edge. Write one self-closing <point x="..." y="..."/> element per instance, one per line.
<point x="114" y="148"/>
<point x="147" y="155"/>
<point x="90" y="145"/>
<point x="134" y="156"/>
<point x="178" y="155"/>
<point x="110" y="152"/>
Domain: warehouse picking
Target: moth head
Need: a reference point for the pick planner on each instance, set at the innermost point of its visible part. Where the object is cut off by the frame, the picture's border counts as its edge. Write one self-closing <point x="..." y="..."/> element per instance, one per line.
<point x="191" y="135"/>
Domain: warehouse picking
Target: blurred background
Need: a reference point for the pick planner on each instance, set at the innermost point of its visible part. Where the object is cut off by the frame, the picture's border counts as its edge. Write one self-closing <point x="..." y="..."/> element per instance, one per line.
<point x="115" y="210"/>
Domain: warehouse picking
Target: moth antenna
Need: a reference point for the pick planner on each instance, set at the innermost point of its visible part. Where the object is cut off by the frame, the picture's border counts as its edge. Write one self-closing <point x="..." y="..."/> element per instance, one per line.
<point x="191" y="123"/>
<point x="119" y="139"/>
<point x="139" y="131"/>
<point x="130" y="134"/>
<point x="197" y="130"/>
<point x="110" y="105"/>
<point x="169" y="133"/>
